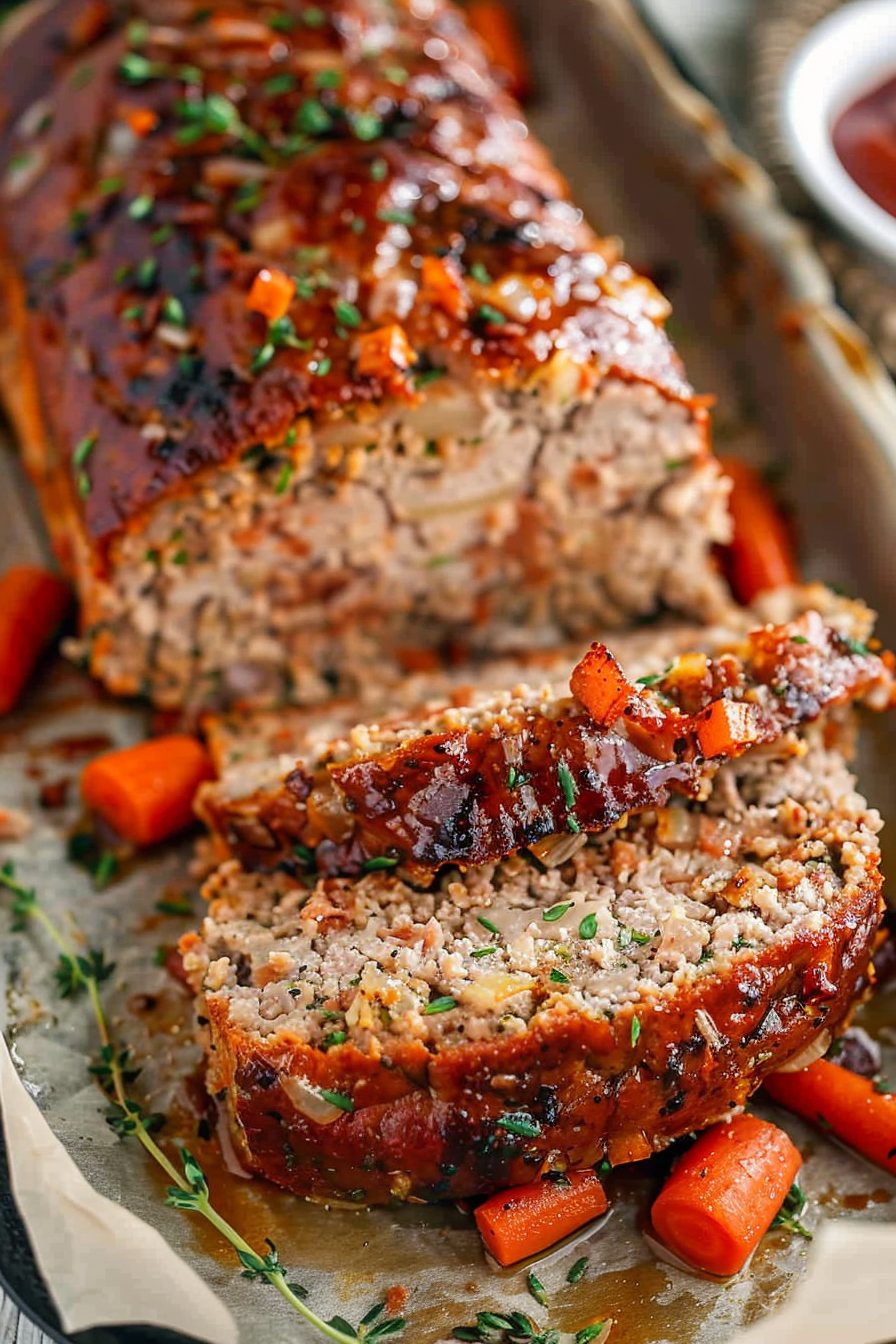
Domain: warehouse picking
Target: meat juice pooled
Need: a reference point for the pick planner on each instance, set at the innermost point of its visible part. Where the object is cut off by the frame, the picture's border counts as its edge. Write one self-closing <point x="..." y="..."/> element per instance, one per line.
<point x="864" y="137"/>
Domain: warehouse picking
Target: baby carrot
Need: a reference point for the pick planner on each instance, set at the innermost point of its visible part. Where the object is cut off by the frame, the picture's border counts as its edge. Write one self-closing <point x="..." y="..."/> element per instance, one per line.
<point x="845" y="1103"/>
<point x="760" y="554"/>
<point x="515" y="1224"/>
<point x="723" y="1194"/>
<point x="33" y="603"/>
<point x="493" y="23"/>
<point x="146" y="792"/>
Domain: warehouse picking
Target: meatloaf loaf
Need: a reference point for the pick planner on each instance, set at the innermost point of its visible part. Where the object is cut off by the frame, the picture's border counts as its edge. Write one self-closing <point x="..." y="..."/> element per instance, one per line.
<point x="313" y="360"/>
<point x="474" y="780"/>
<point x="373" y="1041"/>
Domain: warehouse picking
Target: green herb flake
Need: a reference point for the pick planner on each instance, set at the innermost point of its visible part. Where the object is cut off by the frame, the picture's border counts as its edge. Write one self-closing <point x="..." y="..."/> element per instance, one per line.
<point x="279" y="84"/>
<point x="490" y="315"/>
<point x="146" y="273"/>
<point x="567" y="784"/>
<point x="636" y="1030"/>
<point x="480" y="274"/>
<point x="173" y="311"/>
<point x="313" y="17"/>
<point x="798" y="639"/>
<point x="591" y="1332"/>
<point x="108" y="186"/>
<point x="588" y="927"/>
<point x="556" y="911"/>
<point x="428" y="376"/>
<point x="335" y="1038"/>
<point x="170" y="906"/>
<point x="487" y="924"/>
<point x="347" y="313"/>
<point x="284" y="479"/>
<point x="394" y="216"/>
<point x="136" y="69"/>
<point x="378" y="170"/>
<point x="860" y="650"/>
<point x="480" y="952"/>
<point x="328" y="79"/>
<point x="536" y="1288"/>
<point x="577" y="1272"/>
<point x="379" y="863"/>
<point x="313" y="118"/>
<point x="83" y="448"/>
<point x="521" y="1123"/>
<point x="282" y="23"/>
<point x="141" y="207"/>
<point x="366" y="125"/>
<point x="321" y="367"/>
<point x="791" y="1211"/>
<point x="444" y="1004"/>
<point x="339" y="1099"/>
<point x="558" y="977"/>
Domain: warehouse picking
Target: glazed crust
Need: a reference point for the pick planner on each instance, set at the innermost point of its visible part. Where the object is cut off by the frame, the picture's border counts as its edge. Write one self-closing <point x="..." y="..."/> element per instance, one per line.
<point x="477" y="793"/>
<point x="383" y="136"/>
<point x="425" y="1124"/>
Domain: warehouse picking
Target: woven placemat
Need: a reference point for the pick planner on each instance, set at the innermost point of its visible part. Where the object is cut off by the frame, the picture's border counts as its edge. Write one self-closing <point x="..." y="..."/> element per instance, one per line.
<point x="865" y="289"/>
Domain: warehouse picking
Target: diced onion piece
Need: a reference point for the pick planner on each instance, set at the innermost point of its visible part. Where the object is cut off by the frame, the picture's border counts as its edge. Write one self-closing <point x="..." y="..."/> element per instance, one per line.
<point x="818" y="1047"/>
<point x="307" y="1099"/>
<point x="554" y="850"/>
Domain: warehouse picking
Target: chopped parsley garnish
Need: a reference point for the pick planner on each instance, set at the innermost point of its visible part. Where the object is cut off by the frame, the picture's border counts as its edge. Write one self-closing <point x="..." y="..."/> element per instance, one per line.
<point x="568" y="785"/>
<point x="480" y="274"/>
<point x="136" y="69"/>
<point x="628" y="936"/>
<point x="162" y="234"/>
<point x="346" y="313"/>
<point x="520" y="1123"/>
<point x="134" y="312"/>
<point x="246" y="197"/>
<point x="861" y="650"/>
<point x="512" y="777"/>
<point x="536" y="1288"/>
<point x="337" y="1099"/>
<point x="366" y="125"/>
<point x="588" y="926"/>
<point x="377" y="864"/>
<point x="171" y="906"/>
<point x="480" y="952"/>
<point x="321" y="367"/>
<point x="328" y="79"/>
<point x="313" y="118"/>
<point x="277" y="84"/>
<point x="556" y="911"/>
<point x="636" y="1030"/>
<point x="83" y="448"/>
<point x="558" y="977"/>
<point x="590" y="1333"/>
<point x="655" y="677"/>
<point x="141" y="207"/>
<point x="284" y="479"/>
<point x="487" y="924"/>
<point x="262" y="357"/>
<point x="335" y="1038"/>
<point x="577" y="1273"/>
<point x="798" y="639"/>
<point x="282" y="23"/>
<point x="493" y="316"/>
<point x="378" y="170"/>
<point x="393" y="216"/>
<point x="444" y="1004"/>
<point x="109" y="185"/>
<point x="790" y="1212"/>
<point x="173" y="311"/>
<point x="146" y="273"/>
<point x="313" y="17"/>
<point x="428" y="376"/>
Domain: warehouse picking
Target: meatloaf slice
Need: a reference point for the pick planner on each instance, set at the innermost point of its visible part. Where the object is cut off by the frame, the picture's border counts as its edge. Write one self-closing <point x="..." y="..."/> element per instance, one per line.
<point x="371" y="1041"/>
<point x="476" y="781"/>
<point x="313" y="360"/>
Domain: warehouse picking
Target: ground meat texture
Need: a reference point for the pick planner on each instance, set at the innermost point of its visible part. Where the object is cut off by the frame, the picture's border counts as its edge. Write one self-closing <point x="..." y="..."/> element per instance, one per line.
<point x="259" y="511"/>
<point x="371" y="1041"/>
<point x="481" y="777"/>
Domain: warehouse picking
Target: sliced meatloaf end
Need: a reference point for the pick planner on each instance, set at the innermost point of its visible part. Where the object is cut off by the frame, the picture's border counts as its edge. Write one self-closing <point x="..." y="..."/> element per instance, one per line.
<point x="309" y="384"/>
<point x="371" y="1041"/>
<point x="474" y="780"/>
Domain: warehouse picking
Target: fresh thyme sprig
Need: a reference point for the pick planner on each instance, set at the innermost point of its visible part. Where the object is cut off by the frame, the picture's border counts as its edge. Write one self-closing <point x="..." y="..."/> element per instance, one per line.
<point x="189" y="1191"/>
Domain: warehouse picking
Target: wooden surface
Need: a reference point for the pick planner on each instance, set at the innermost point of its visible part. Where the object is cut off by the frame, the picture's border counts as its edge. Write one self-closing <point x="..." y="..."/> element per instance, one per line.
<point x="706" y="30"/>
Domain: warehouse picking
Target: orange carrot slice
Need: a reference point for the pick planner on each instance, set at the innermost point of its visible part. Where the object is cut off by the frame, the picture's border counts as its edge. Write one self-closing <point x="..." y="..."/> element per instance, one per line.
<point x="601" y="685"/>
<point x="845" y="1103"/>
<point x="443" y="286"/>
<point x="146" y="792"/>
<point x="725" y="727"/>
<point x="33" y="603"/>
<point x="515" y="1224"/>
<point x="723" y="1194"/>
<point x="496" y="28"/>
<point x="760" y="554"/>
<point x="384" y="352"/>
<point x="271" y="293"/>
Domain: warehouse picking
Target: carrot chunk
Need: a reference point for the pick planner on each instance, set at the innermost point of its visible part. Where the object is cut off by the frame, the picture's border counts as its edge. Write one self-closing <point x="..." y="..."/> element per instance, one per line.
<point x="146" y="792"/>
<point x="385" y="351"/>
<point x="601" y="685"/>
<point x="515" y="1224"/>
<point x="760" y="554"/>
<point x="142" y="121"/>
<point x="271" y="293"/>
<point x="495" y="26"/>
<point x="443" y="286"/>
<point x="33" y="603"/>
<point x="723" y="1194"/>
<point x="725" y="727"/>
<point x="844" y="1103"/>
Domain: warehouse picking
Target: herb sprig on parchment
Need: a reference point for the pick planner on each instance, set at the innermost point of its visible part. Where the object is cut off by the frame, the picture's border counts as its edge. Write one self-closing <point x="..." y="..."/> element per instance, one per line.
<point x="78" y="973"/>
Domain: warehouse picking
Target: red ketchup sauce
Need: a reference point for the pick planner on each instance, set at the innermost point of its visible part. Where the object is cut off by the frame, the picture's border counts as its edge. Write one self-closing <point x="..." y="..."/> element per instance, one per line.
<point x="864" y="139"/>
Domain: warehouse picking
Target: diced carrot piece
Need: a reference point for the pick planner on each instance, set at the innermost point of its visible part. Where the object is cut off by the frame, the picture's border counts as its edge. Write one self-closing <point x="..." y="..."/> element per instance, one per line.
<point x="495" y="26"/>
<point x="725" y="727"/>
<point x="271" y="293"/>
<point x="843" y="1102"/>
<point x="146" y="792"/>
<point x="723" y="1194"/>
<point x="33" y="603"/>
<point x="760" y="554"/>
<point x="443" y="286"/>
<point x="515" y="1224"/>
<point x="385" y="351"/>
<point x="142" y="121"/>
<point x="414" y="659"/>
<point x="601" y="685"/>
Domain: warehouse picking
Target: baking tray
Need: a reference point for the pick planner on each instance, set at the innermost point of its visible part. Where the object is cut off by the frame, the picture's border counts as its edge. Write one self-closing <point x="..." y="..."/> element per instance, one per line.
<point x="650" y="159"/>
